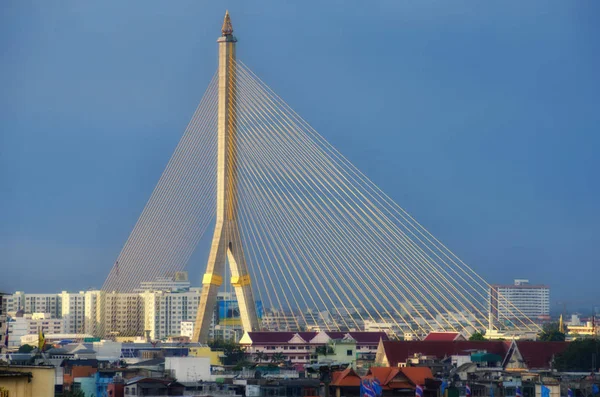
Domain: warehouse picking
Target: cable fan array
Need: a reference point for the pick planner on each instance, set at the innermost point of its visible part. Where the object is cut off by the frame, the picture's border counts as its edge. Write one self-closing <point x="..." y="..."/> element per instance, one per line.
<point x="321" y="238"/>
<point x="324" y="245"/>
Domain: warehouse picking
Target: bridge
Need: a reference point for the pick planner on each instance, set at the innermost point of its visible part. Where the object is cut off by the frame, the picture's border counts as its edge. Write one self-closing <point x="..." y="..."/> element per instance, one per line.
<point x="296" y="226"/>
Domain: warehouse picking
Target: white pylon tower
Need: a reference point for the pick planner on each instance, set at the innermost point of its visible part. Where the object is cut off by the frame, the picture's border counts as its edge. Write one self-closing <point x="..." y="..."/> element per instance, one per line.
<point x="226" y="243"/>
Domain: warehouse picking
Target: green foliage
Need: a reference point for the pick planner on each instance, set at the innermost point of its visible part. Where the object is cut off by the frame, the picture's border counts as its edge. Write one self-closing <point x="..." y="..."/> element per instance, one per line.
<point x="260" y="357"/>
<point x="26" y="349"/>
<point x="277" y="358"/>
<point x="73" y="393"/>
<point x="324" y="350"/>
<point x="551" y="333"/>
<point x="477" y="336"/>
<point x="233" y="352"/>
<point x="579" y="356"/>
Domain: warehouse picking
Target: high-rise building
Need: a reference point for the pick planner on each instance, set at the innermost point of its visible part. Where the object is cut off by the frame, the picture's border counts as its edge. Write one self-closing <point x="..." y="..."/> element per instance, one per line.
<point x="93" y="312"/>
<point x="164" y="311"/>
<point x="73" y="311"/>
<point x="520" y="300"/>
<point x="44" y="303"/>
<point x="14" y="302"/>
<point x="123" y="315"/>
<point x="178" y="282"/>
<point x="2" y="321"/>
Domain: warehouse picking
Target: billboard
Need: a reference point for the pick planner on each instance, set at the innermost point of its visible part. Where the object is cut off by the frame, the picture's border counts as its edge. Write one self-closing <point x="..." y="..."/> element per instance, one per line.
<point x="228" y="312"/>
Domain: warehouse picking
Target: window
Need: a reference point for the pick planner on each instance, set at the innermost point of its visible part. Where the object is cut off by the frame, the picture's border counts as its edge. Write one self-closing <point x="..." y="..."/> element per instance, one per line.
<point x="349" y="352"/>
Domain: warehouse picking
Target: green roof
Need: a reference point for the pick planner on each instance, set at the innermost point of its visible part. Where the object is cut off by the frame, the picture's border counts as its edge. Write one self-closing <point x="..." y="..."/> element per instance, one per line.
<point x="485" y="357"/>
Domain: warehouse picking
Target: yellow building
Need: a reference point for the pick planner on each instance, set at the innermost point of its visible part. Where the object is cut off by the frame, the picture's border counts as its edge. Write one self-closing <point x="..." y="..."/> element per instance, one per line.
<point x="27" y="381"/>
<point x="587" y="329"/>
<point x="204" y="351"/>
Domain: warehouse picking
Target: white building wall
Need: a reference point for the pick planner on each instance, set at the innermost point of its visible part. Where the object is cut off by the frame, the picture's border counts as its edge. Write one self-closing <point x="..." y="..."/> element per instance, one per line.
<point x="166" y="310"/>
<point x="73" y="311"/>
<point x="93" y="312"/>
<point x="44" y="303"/>
<point x="188" y="369"/>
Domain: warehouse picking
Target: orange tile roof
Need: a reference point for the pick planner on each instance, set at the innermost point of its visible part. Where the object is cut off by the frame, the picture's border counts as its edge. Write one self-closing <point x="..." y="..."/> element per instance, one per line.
<point x="345" y="378"/>
<point x="417" y="375"/>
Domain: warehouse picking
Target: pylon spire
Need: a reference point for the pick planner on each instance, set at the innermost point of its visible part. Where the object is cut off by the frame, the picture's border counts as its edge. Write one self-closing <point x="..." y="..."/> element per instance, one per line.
<point x="227" y="29"/>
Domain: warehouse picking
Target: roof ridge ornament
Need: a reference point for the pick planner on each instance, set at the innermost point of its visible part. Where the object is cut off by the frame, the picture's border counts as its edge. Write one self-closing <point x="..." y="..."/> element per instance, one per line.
<point x="227" y="29"/>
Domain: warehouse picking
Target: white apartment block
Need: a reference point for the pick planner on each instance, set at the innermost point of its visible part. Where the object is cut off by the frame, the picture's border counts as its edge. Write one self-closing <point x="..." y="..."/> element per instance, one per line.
<point x="519" y="300"/>
<point x="30" y="324"/>
<point x="32" y="303"/>
<point x="164" y="311"/>
<point x="93" y="312"/>
<point x="44" y="303"/>
<point x="13" y="303"/>
<point x="123" y="314"/>
<point x="73" y="311"/>
<point x="178" y="282"/>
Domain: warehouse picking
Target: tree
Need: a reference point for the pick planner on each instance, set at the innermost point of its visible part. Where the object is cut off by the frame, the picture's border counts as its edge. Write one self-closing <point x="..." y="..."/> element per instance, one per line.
<point x="580" y="355"/>
<point x="477" y="336"/>
<point x="277" y="358"/>
<point x="260" y="357"/>
<point x="233" y="352"/>
<point x="551" y="333"/>
<point x="26" y="349"/>
<point x="74" y="393"/>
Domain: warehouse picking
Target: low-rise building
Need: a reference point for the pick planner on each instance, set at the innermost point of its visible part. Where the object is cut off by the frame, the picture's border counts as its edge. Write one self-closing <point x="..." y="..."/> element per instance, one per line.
<point x="28" y="380"/>
<point x="299" y="348"/>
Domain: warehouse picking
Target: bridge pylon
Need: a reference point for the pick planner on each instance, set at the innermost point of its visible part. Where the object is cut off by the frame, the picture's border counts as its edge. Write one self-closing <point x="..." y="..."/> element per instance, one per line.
<point x="226" y="244"/>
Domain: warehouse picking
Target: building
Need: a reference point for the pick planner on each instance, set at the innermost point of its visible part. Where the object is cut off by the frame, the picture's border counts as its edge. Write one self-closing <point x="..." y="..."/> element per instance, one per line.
<point x="93" y="312"/>
<point x="44" y="303"/>
<point x="300" y="348"/>
<point x="521" y="300"/>
<point x="27" y="380"/>
<point x="516" y="355"/>
<point x="3" y="324"/>
<point x="14" y="302"/>
<point x="164" y="312"/>
<point x="178" y="282"/>
<point x="123" y="315"/>
<point x="30" y="324"/>
<point x="73" y="311"/>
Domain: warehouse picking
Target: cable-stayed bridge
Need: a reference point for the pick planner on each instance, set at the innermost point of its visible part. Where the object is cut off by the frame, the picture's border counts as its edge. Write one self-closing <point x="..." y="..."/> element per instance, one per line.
<point x="296" y="226"/>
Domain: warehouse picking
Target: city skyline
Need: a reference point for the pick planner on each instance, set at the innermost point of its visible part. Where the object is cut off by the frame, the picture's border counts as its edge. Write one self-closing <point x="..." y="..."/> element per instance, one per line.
<point x="70" y="207"/>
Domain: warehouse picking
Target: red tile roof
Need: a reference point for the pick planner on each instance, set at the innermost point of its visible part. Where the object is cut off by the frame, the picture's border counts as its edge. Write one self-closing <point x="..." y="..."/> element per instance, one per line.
<point x="277" y="338"/>
<point x="442" y="336"/>
<point x="398" y="351"/>
<point x="345" y="378"/>
<point x="539" y="355"/>
<point x="417" y="375"/>
<point x="273" y="338"/>
<point x="361" y="337"/>
<point x="396" y="378"/>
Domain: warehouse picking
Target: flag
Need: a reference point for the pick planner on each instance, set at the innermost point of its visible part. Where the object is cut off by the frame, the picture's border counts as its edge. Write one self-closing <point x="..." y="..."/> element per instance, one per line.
<point x="545" y="391"/>
<point x="377" y="387"/>
<point x="491" y="391"/>
<point x="518" y="392"/>
<point x="41" y="340"/>
<point x="595" y="389"/>
<point x="366" y="388"/>
<point x="419" y="391"/>
<point x="570" y="392"/>
<point x="443" y="387"/>
<point x="468" y="391"/>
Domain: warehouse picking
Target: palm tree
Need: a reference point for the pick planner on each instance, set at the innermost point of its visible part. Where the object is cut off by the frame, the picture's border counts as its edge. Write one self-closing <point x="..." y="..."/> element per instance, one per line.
<point x="277" y="358"/>
<point x="259" y="357"/>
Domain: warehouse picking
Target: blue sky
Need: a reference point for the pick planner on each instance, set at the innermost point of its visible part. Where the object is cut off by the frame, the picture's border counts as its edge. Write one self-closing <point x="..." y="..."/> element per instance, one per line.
<point x="479" y="118"/>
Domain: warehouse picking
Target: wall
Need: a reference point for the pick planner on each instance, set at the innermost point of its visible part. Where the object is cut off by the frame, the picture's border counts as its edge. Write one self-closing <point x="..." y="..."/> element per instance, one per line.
<point x="214" y="356"/>
<point x="189" y="369"/>
<point x="42" y="383"/>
